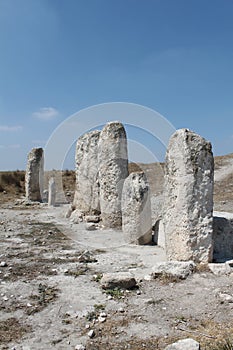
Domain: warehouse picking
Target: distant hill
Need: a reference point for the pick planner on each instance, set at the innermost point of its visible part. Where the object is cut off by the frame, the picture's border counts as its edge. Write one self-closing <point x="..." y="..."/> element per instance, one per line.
<point x="12" y="182"/>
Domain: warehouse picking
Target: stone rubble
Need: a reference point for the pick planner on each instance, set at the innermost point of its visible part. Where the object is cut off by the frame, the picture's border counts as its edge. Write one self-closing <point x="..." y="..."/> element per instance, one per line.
<point x="123" y="280"/>
<point x="179" y="269"/>
<point x="184" y="344"/>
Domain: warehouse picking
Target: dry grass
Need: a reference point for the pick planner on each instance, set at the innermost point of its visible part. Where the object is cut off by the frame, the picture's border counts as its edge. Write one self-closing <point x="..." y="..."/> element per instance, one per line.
<point x="212" y="335"/>
<point x="45" y="296"/>
<point x="12" y="330"/>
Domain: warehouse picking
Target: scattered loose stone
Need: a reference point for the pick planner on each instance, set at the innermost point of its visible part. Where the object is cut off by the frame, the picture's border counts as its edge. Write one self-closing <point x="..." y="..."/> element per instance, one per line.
<point x="90" y="227"/>
<point x="113" y="170"/>
<point x="224" y="297"/>
<point x="76" y="216"/>
<point x="124" y="280"/>
<point x="92" y="218"/>
<point x="179" y="269"/>
<point x="220" y="269"/>
<point x="188" y="198"/>
<point x="184" y="344"/>
<point x="148" y="277"/>
<point x="121" y="310"/>
<point x="101" y="319"/>
<point x="136" y="209"/>
<point x="86" y="257"/>
<point x="91" y="333"/>
<point x="3" y="264"/>
<point x="80" y="347"/>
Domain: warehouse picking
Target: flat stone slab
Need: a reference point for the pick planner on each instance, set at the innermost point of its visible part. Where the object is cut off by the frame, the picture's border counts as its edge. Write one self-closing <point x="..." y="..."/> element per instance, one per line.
<point x="184" y="344"/>
<point x="179" y="269"/>
<point x="219" y="269"/>
<point x="123" y="280"/>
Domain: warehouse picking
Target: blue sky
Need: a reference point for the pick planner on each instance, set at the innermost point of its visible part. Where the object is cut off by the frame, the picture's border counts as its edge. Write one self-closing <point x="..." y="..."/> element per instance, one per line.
<point x="58" y="57"/>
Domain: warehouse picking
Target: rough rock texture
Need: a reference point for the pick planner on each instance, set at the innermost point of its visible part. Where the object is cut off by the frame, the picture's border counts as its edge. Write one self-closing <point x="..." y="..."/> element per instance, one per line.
<point x="34" y="175"/>
<point x="188" y="198"/>
<point x="184" y="344"/>
<point x="92" y="218"/>
<point x="179" y="269"/>
<point x="124" y="280"/>
<point x="221" y="268"/>
<point x="113" y="170"/>
<point x="136" y="209"/>
<point x="223" y="239"/>
<point x="86" y="198"/>
<point x="52" y="192"/>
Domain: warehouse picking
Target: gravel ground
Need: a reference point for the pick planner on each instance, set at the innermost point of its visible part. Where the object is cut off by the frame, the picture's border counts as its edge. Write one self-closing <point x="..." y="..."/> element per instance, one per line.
<point x="51" y="299"/>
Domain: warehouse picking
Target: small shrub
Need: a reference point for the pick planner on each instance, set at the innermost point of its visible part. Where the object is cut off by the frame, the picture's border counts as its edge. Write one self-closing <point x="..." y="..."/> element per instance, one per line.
<point x="116" y="293"/>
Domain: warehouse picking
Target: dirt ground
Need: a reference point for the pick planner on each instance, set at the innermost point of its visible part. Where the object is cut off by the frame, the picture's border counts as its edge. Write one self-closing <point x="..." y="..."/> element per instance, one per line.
<point x="51" y="297"/>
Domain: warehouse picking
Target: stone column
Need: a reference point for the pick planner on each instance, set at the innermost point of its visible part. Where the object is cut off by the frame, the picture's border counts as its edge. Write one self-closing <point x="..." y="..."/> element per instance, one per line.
<point x="113" y="170"/>
<point x="52" y="192"/>
<point x="34" y="175"/>
<point x="188" y="198"/>
<point x="86" y="198"/>
<point x="136" y="209"/>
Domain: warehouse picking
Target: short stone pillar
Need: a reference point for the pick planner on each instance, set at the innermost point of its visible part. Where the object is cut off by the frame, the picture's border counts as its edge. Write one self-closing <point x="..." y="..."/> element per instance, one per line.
<point x="136" y="209"/>
<point x="52" y="192"/>
<point x="188" y="198"/>
<point x="113" y="170"/>
<point x="34" y="175"/>
<point x="86" y="198"/>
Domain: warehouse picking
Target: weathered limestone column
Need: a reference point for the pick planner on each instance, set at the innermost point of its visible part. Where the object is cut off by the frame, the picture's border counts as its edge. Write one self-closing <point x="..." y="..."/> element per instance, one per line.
<point x="136" y="209"/>
<point x="188" y="201"/>
<point x="113" y="170"/>
<point x="86" y="198"/>
<point x="52" y="192"/>
<point x="34" y="175"/>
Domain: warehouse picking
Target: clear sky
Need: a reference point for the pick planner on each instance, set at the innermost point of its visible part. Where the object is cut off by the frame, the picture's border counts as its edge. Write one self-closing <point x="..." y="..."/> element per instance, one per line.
<point x="60" y="56"/>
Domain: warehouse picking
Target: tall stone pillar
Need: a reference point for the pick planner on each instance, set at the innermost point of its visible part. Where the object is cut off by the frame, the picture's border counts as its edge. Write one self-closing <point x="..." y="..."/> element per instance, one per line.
<point x="136" y="209"/>
<point x="188" y="198"/>
<point x="34" y="175"/>
<point x="113" y="170"/>
<point x="86" y="198"/>
<point x="52" y="192"/>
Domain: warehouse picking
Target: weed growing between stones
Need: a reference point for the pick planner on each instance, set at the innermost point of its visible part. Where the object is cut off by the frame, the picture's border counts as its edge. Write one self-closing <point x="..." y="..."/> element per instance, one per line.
<point x="77" y="271"/>
<point x="116" y="293"/>
<point x="45" y="296"/>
